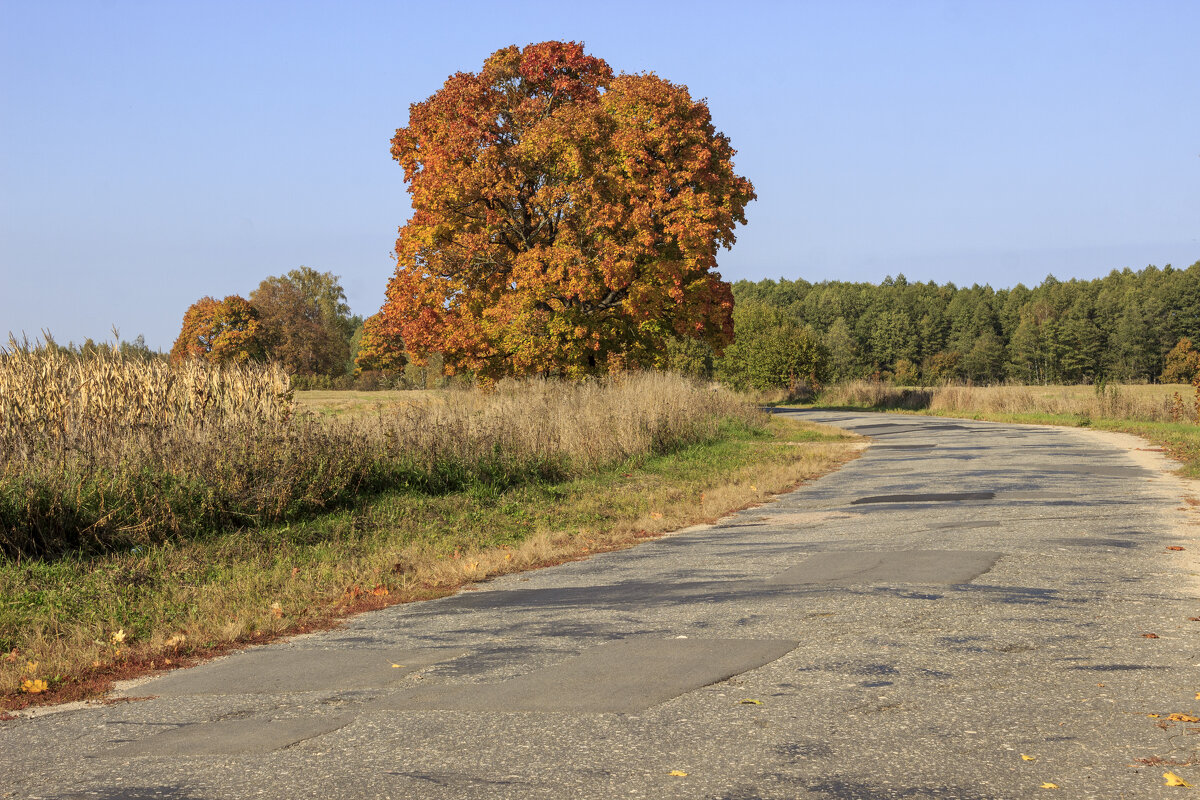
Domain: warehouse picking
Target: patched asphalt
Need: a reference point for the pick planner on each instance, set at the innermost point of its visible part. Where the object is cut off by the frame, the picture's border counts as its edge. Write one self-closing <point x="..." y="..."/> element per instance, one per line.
<point x="963" y="612"/>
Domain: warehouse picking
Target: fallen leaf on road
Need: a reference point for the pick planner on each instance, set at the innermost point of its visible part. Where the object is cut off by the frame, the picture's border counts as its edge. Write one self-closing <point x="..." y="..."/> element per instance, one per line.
<point x="678" y="773"/>
<point x="1049" y="785"/>
<point x="1174" y="780"/>
<point x="1154" y="716"/>
<point x="1149" y="635"/>
<point x="397" y="666"/>
<point x="749" y="701"/>
<point x="1193" y="619"/>
<point x="1028" y="758"/>
<point x="1174" y="547"/>
<point x="1183" y="718"/>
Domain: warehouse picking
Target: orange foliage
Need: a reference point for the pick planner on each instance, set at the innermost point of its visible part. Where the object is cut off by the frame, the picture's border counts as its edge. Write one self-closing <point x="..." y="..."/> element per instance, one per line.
<point x="227" y="331"/>
<point x="561" y="216"/>
<point x="380" y="347"/>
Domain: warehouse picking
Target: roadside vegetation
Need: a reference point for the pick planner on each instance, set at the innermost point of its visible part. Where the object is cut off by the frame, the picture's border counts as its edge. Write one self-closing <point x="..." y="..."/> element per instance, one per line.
<point x="1166" y="415"/>
<point x="154" y="514"/>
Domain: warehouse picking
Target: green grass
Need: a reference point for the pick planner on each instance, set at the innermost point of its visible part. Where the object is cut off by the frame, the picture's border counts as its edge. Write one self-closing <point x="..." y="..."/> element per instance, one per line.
<point x="1181" y="440"/>
<point x="240" y="586"/>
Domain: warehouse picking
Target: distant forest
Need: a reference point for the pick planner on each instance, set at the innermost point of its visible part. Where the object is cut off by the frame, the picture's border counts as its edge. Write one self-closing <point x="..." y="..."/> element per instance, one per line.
<point x="1119" y="328"/>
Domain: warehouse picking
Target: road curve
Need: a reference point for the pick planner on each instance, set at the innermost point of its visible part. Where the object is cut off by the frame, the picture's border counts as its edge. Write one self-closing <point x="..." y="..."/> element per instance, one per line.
<point x="963" y="612"/>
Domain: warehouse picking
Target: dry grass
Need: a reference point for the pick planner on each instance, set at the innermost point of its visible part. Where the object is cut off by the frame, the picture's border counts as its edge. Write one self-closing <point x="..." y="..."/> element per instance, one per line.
<point x="1149" y="403"/>
<point x="1146" y="403"/>
<point x="184" y="599"/>
<point x="113" y="452"/>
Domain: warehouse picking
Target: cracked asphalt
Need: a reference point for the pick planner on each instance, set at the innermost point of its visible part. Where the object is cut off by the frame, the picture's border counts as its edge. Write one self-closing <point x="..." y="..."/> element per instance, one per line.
<point x="963" y="612"/>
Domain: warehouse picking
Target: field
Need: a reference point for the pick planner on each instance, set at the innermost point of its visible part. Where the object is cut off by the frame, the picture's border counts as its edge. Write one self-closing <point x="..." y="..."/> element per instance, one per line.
<point x="375" y="498"/>
<point x="1163" y="414"/>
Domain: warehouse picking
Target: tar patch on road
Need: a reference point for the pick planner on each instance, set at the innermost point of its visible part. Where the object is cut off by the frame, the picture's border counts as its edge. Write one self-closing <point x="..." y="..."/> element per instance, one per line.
<point x="929" y="497"/>
<point x="896" y="567"/>
<point x="624" y="676"/>
<point x="282" y="671"/>
<point x="231" y="737"/>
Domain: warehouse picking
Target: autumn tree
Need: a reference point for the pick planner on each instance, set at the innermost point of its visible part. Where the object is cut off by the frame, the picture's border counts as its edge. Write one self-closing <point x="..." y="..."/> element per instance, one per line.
<point x="379" y="348"/>
<point x="306" y="323"/>
<point x="220" y="332"/>
<point x="561" y="216"/>
<point x="1182" y="363"/>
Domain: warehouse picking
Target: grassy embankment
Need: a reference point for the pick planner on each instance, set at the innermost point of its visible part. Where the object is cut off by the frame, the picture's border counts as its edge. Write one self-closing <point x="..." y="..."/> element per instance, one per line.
<point x="1165" y="415"/>
<point x="280" y="522"/>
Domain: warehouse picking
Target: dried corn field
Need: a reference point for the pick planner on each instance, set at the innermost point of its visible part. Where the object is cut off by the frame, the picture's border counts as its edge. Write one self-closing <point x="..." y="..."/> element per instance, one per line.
<point x="111" y="452"/>
<point x="49" y="393"/>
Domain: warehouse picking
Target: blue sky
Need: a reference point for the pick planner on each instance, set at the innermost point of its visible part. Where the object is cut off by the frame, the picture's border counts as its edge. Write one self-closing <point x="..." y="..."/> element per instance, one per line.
<point x="155" y="152"/>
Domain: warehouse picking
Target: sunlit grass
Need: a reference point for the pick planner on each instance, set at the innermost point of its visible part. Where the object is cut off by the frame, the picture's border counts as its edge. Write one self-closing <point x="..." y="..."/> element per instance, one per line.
<point x="188" y="596"/>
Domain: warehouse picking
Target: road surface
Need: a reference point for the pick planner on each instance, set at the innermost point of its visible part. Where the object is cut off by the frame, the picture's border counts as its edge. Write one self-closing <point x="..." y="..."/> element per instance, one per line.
<point x="963" y="612"/>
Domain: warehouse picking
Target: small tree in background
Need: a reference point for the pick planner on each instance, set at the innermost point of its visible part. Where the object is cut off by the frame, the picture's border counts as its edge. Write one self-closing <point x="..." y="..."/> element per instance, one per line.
<point x="1182" y="363"/>
<point x="380" y="349"/>
<point x="306" y="323"/>
<point x="771" y="351"/>
<point x="220" y="332"/>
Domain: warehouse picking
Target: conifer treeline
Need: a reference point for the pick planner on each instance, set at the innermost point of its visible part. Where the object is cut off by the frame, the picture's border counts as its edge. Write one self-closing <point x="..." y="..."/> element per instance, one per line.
<point x="1117" y="328"/>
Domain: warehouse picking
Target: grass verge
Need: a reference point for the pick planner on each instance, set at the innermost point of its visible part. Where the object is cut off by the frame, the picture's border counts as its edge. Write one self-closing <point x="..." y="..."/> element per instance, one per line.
<point x="77" y="624"/>
<point x="1143" y="411"/>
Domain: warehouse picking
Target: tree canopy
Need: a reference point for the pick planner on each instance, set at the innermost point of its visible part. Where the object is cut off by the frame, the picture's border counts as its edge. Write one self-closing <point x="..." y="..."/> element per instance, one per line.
<point x="1126" y="326"/>
<point x="306" y="323"/>
<point x="562" y="216"/>
<point x="225" y="331"/>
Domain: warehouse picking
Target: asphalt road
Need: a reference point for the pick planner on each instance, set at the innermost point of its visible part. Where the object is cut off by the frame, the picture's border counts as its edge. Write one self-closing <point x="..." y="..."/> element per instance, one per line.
<point x="960" y="613"/>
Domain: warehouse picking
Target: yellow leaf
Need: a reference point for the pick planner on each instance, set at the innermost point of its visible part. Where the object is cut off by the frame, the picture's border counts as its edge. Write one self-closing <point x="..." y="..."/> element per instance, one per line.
<point x="1183" y="718"/>
<point x="1049" y="785"/>
<point x="749" y="701"/>
<point x="1028" y="758"/>
<point x="31" y="666"/>
<point x="753" y="488"/>
<point x="35" y="686"/>
<point x="656" y="515"/>
<point x="1154" y="716"/>
<point x="1174" y="780"/>
<point x="276" y="609"/>
<point x="397" y="666"/>
<point x="175" y="640"/>
<point x="1198" y="695"/>
<point x="118" y="636"/>
<point x="678" y="773"/>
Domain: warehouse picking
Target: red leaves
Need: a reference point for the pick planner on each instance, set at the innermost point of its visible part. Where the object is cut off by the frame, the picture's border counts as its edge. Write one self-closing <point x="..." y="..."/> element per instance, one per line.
<point x="558" y="229"/>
